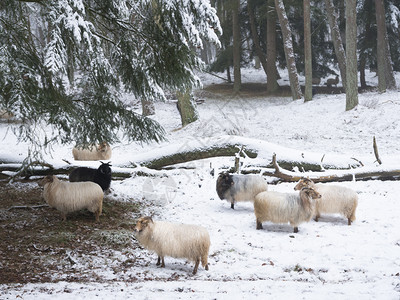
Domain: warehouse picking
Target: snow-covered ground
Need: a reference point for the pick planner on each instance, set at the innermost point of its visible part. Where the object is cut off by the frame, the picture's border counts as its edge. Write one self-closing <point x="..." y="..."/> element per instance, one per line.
<point x="325" y="260"/>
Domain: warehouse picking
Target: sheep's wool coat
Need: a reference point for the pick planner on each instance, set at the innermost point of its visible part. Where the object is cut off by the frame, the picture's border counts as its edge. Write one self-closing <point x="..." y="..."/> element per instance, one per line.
<point x="245" y="188"/>
<point x="282" y="208"/>
<point x="176" y="240"/>
<point x="73" y="196"/>
<point x="336" y="199"/>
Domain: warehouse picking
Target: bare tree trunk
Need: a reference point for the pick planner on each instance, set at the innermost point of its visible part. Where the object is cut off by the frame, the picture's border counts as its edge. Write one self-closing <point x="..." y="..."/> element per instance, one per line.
<point x="254" y="33"/>
<point x="307" y="50"/>
<point x="187" y="108"/>
<point x="363" y="62"/>
<point x="237" y="81"/>
<point x="288" y="47"/>
<point x="363" y="54"/>
<point x="148" y="108"/>
<point x="332" y="16"/>
<point x="380" y="53"/>
<point x="385" y="69"/>
<point x="351" y="55"/>
<point x="228" y="74"/>
<point x="272" y="83"/>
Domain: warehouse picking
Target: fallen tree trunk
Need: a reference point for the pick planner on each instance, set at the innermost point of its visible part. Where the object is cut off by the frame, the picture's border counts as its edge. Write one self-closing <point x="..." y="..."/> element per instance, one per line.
<point x="319" y="167"/>
<point x="260" y="151"/>
<point x="360" y="174"/>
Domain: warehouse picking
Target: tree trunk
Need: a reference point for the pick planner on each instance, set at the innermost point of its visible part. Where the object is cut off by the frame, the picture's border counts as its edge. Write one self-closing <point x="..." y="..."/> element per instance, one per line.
<point x="351" y="55"/>
<point x="363" y="54"/>
<point x="307" y="50"/>
<point x="272" y="83"/>
<point x="288" y="47"/>
<point x="380" y="24"/>
<point x="342" y="175"/>
<point x="187" y="108"/>
<point x="389" y="75"/>
<point x="332" y="16"/>
<point x="385" y="69"/>
<point x="148" y="108"/>
<point x="228" y="74"/>
<point x="254" y="33"/>
<point x="363" y="62"/>
<point x="237" y="81"/>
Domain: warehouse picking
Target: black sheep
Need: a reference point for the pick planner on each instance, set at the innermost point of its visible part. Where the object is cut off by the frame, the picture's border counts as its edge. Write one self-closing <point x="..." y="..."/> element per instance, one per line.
<point x="101" y="176"/>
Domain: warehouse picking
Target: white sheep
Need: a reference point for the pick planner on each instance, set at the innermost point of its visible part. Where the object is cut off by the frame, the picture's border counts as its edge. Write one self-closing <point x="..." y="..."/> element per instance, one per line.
<point x="68" y="197"/>
<point x="294" y="208"/>
<point x="234" y="188"/>
<point x="334" y="199"/>
<point x="94" y="152"/>
<point x="176" y="240"/>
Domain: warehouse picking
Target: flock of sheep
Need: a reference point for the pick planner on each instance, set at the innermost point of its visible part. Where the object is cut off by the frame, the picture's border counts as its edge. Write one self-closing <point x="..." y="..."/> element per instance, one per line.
<point x="86" y="186"/>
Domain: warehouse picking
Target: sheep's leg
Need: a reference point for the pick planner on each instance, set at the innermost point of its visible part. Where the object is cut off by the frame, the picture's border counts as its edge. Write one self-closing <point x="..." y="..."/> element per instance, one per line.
<point x="196" y="266"/>
<point x="204" y="261"/>
<point x="352" y="217"/>
<point x="64" y="217"/>
<point x="233" y="203"/>
<point x="317" y="216"/>
<point x="162" y="262"/>
<point x="259" y="225"/>
<point x="97" y="215"/>
<point x="296" y="229"/>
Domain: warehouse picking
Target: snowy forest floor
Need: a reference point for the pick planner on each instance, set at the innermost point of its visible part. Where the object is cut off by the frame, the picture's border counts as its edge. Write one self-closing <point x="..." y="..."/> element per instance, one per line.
<point x="42" y="257"/>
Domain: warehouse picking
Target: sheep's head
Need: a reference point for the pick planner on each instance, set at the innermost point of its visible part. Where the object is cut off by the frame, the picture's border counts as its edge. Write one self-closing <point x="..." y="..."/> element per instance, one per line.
<point x="224" y="183"/>
<point x="311" y="193"/>
<point x="103" y="147"/>
<point x="105" y="168"/>
<point x="308" y="196"/>
<point x="142" y="223"/>
<point x="304" y="182"/>
<point x="46" y="180"/>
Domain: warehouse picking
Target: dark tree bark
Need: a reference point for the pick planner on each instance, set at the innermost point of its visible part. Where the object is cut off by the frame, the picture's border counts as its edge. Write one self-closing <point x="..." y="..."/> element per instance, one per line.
<point x="237" y="81"/>
<point x="363" y="54"/>
<point x="288" y="47"/>
<point x="332" y="16"/>
<point x="307" y="50"/>
<point x="385" y="69"/>
<point x="272" y="78"/>
<point x="254" y="34"/>
<point x="351" y="55"/>
<point x="380" y="24"/>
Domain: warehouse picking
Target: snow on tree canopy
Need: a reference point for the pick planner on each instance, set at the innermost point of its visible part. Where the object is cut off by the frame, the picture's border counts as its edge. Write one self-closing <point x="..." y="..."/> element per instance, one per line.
<point x="79" y="55"/>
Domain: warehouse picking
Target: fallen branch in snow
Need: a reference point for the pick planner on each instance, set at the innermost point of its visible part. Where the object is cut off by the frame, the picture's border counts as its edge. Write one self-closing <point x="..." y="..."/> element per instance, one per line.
<point x="41" y="249"/>
<point x="376" y="151"/>
<point x="27" y="207"/>
<point x="43" y="170"/>
<point x="339" y="175"/>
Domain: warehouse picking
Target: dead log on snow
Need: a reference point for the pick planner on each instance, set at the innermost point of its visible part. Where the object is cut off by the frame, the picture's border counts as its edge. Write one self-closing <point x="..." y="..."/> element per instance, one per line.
<point x="258" y="150"/>
<point x="340" y="175"/>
